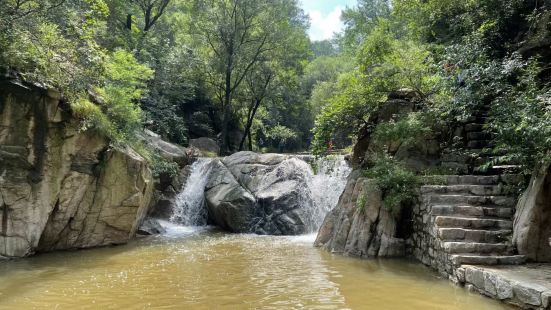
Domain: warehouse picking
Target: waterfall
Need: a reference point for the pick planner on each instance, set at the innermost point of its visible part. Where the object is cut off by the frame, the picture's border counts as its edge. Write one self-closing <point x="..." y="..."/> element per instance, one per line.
<point x="190" y="207"/>
<point x="329" y="177"/>
<point x="325" y="177"/>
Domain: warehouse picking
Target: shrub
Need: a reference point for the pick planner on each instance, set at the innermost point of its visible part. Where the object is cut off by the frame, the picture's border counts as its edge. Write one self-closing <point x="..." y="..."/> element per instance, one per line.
<point x="398" y="185"/>
<point x="519" y="103"/>
<point x="407" y="130"/>
<point x="361" y="203"/>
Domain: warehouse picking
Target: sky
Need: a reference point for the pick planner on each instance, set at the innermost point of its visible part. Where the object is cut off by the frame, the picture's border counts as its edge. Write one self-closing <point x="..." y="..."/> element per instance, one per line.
<point x="325" y="17"/>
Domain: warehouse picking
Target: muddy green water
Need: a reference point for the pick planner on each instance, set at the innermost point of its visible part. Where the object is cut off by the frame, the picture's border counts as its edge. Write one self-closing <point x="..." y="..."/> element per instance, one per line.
<point x="212" y="270"/>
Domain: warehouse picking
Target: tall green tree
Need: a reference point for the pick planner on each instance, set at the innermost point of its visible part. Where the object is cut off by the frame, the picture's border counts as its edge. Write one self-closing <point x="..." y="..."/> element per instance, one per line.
<point x="236" y="35"/>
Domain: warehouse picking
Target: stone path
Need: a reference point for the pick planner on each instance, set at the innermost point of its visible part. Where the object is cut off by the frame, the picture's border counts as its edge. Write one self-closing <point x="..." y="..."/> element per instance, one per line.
<point x="527" y="286"/>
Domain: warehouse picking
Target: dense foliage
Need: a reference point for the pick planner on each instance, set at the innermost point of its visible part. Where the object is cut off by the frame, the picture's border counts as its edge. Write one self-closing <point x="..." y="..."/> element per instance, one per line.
<point x="458" y="57"/>
<point x="398" y="185"/>
<point x="225" y="69"/>
<point x="244" y="73"/>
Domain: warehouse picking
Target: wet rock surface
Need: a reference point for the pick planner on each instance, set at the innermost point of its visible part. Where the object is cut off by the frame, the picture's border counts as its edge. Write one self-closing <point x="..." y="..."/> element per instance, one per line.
<point x="260" y="193"/>
<point x="151" y="226"/>
<point x="166" y="185"/>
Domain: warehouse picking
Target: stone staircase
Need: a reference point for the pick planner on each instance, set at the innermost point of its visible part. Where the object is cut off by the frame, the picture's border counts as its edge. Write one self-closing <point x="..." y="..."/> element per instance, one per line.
<point x="469" y="219"/>
<point x="472" y="219"/>
<point x="474" y="149"/>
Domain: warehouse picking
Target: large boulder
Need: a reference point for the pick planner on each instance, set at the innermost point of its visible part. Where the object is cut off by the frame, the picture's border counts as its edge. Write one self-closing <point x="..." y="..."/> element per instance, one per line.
<point x="207" y="146"/>
<point x="169" y="151"/>
<point x="61" y="187"/>
<point x="360" y="226"/>
<point x="262" y="194"/>
<point x="532" y="225"/>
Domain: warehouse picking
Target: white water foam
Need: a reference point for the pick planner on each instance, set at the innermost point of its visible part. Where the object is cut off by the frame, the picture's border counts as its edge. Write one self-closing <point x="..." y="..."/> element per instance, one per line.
<point x="325" y="184"/>
<point x="190" y="207"/>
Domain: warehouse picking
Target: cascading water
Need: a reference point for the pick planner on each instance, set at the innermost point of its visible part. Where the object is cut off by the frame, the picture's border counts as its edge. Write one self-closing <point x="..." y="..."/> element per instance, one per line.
<point x="325" y="181"/>
<point x="190" y="203"/>
<point x="329" y="176"/>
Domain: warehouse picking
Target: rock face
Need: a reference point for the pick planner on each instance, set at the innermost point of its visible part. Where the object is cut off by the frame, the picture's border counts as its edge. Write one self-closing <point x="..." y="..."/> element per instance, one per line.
<point x="62" y="188"/>
<point x="205" y="145"/>
<point x="360" y="225"/>
<point x="532" y="225"/>
<point x="262" y="194"/>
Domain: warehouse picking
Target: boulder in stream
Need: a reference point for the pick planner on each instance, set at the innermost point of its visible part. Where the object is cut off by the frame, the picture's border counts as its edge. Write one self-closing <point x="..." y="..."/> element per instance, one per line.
<point x="260" y="193"/>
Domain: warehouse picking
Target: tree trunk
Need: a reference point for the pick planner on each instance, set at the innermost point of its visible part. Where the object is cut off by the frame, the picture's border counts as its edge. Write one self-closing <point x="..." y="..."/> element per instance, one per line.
<point x="129" y="21"/>
<point x="225" y="147"/>
<point x="250" y="119"/>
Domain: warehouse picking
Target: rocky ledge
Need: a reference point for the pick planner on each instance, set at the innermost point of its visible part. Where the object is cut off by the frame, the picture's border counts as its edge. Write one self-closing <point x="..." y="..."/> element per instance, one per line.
<point x="61" y="187"/>
<point x="528" y="287"/>
<point x="360" y="225"/>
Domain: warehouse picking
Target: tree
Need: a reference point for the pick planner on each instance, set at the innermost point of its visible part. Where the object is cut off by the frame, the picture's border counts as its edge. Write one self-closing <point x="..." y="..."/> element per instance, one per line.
<point x="258" y="85"/>
<point x="325" y="48"/>
<point x="151" y="10"/>
<point x="361" y="19"/>
<point x="236" y="36"/>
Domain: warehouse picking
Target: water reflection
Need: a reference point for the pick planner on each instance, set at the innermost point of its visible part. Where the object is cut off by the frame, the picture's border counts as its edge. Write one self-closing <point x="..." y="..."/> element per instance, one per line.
<point x="207" y="269"/>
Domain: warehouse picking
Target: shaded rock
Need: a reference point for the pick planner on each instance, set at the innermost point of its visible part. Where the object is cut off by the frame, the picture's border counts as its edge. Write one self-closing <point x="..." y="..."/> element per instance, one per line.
<point x="206" y="146"/>
<point x="360" y="225"/>
<point x="169" y="151"/>
<point x="532" y="225"/>
<point x="168" y="186"/>
<point x="259" y="193"/>
<point x="151" y="226"/>
<point x="62" y="188"/>
<point x="417" y="156"/>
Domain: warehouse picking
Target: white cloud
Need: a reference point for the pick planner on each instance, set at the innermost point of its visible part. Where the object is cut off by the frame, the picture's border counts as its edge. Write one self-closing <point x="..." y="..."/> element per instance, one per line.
<point x="323" y="27"/>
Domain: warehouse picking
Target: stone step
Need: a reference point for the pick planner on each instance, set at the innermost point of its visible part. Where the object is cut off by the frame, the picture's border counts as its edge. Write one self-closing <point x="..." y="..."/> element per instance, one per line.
<point x="500" y="201"/>
<point x="455" y="167"/>
<point x="478" y="135"/>
<point x="472" y="223"/>
<point x="457" y="158"/>
<point x="481" y="190"/>
<point x="477" y="248"/>
<point x="472" y="179"/>
<point x="482" y="119"/>
<point x="499" y="169"/>
<point x="478" y="144"/>
<point x="474" y="127"/>
<point x="484" y="152"/>
<point x="473" y="211"/>
<point x="466" y="259"/>
<point x="474" y="235"/>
